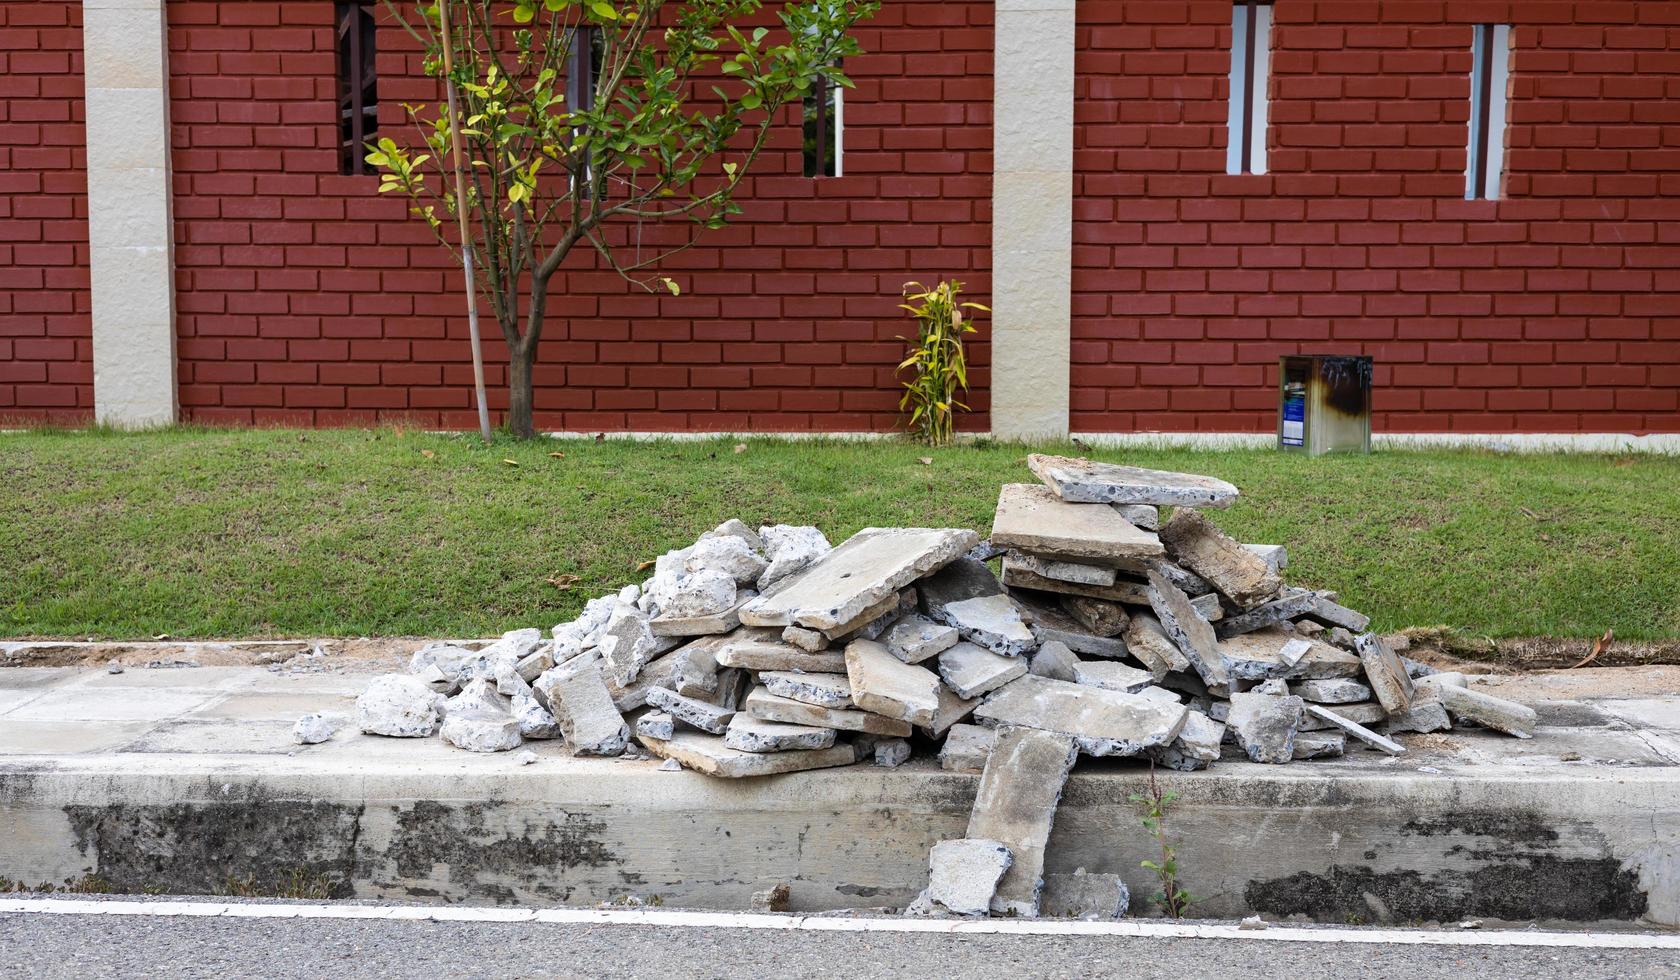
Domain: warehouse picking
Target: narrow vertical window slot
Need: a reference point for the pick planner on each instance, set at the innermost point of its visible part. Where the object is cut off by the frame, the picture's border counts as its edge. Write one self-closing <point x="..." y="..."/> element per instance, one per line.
<point x="825" y="127"/>
<point x="583" y="80"/>
<point x="1490" y="65"/>
<point x="355" y="34"/>
<point x="1251" y="47"/>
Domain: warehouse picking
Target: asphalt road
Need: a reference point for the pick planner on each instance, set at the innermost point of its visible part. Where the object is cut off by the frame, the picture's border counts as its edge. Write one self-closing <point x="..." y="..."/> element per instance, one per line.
<point x="80" y="946"/>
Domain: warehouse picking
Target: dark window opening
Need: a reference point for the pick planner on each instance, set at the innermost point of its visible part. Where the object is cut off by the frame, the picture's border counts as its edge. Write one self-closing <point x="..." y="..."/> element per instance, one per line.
<point x="358" y="85"/>
<point x="1489" y="73"/>
<point x="583" y="78"/>
<point x="825" y="127"/>
<point x="1251" y="34"/>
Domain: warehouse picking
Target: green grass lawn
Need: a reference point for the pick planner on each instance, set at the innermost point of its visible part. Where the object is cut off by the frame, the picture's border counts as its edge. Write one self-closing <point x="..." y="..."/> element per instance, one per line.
<point x="241" y="533"/>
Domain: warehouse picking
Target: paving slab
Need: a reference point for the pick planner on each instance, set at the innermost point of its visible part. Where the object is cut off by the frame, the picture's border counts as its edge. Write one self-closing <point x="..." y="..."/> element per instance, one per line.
<point x="1106" y="722"/>
<point x="1123" y="590"/>
<point x="1087" y="481"/>
<point x="1032" y="518"/>
<point x="764" y="705"/>
<point x="1015" y="805"/>
<point x="707" y="754"/>
<point x="862" y="571"/>
<point x="887" y="686"/>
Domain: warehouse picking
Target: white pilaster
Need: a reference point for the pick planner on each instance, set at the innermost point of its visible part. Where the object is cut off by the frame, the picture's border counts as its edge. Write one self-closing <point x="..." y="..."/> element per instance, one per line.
<point x="1032" y="217"/>
<point x="130" y="232"/>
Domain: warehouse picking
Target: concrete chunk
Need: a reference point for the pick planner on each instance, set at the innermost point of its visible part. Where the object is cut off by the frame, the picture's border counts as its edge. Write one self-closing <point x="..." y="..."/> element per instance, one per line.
<point x="963" y="874"/>
<point x="1086" y="481"/>
<point x="971" y="671"/>
<point x="660" y="672"/>
<point x="822" y="690"/>
<point x="657" y="724"/>
<point x="1016" y="806"/>
<point x="1320" y="745"/>
<point x="1340" y="690"/>
<point x="1258" y="656"/>
<point x="763" y="705"/>
<point x="915" y="638"/>
<point x="891" y="753"/>
<point x="885" y="685"/>
<point x="991" y="622"/>
<point x="811" y="641"/>
<point x="1196" y="747"/>
<point x="791" y="550"/>
<point x="1086" y="896"/>
<point x="1106" y="722"/>
<point x="707" y="754"/>
<point x="1123" y="590"/>
<point x="584" y="708"/>
<point x="763" y="650"/>
<point x="1063" y="571"/>
<point x="628" y="643"/>
<point x="1111" y="675"/>
<point x="399" y="706"/>
<point x="966" y="748"/>
<point x="1289" y="603"/>
<point x="1265" y="725"/>
<point x="1488" y="711"/>
<point x="749" y="734"/>
<point x="1235" y="572"/>
<point x="1339" y="719"/>
<point x="1363" y="713"/>
<point x="1422" y="717"/>
<point x="1149" y="643"/>
<point x="1188" y="629"/>
<point x="1101" y="617"/>
<point x="1145" y="516"/>
<point x="710" y="624"/>
<point x="1054" y="661"/>
<point x="1385" y="673"/>
<point x="962" y="579"/>
<point x="952" y="709"/>
<point x="1032" y="518"/>
<point x="1050" y="624"/>
<point x="708" y="718"/>
<point x="1330" y="613"/>
<point x="868" y="567"/>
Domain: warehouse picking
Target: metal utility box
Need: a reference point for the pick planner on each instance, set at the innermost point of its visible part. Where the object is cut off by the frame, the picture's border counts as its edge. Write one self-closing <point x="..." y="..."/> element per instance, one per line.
<point x="1324" y="404"/>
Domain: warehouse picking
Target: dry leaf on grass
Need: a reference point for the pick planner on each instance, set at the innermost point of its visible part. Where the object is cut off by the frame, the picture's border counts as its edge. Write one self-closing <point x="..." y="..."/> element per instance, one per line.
<point x="927" y="460"/>
<point x="740" y="447"/>
<point x="511" y="462"/>
<point x="556" y="455"/>
<point x="428" y="454"/>
<point x="1601" y="645"/>
<point x="563" y="582"/>
<point x="644" y="566"/>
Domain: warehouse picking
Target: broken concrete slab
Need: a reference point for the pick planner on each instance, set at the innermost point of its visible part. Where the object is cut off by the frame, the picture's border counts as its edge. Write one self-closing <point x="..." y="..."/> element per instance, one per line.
<point x="1258" y="656"/>
<point x="1340" y="720"/>
<point x="1100" y="616"/>
<point x="1320" y="745"/>
<point x="709" y="718"/>
<point x="697" y="666"/>
<point x="1327" y="611"/>
<point x="763" y="705"/>
<point x="1265" y="725"/>
<point x="1145" y="516"/>
<point x="966" y="748"/>
<point x="1112" y="676"/>
<point x="535" y="721"/>
<point x="822" y="690"/>
<point x="628" y="643"/>
<point x="1016" y="806"/>
<point x="952" y="709"/>
<point x="1050" y="624"/>
<point x="1105" y="722"/>
<point x="1290" y="603"/>
<point x="728" y="554"/>
<point x="890" y="753"/>
<point x="991" y="622"/>
<point x="1385" y="673"/>
<point x="1123" y="590"/>
<point x="1276" y="556"/>
<point x="662" y="671"/>
<point x="1148" y="642"/>
<point x="1063" y="571"/>
<point x="963" y="874"/>
<point x="868" y="567"/>
<point x="915" y="638"/>
<point x="1188" y="629"/>
<point x="791" y="549"/>
<point x="1240" y="575"/>
<point x="399" y="706"/>
<point x="1055" y="661"/>
<point x="885" y="685"/>
<point x="1079" y="480"/>
<point x="970" y="670"/>
<point x="1338" y="690"/>
<point x="811" y="641"/>
<point x="871" y="622"/>
<point x="1464" y="704"/>
<point x="657" y="724"/>
<point x="749" y="734"/>
<point x="710" y="624"/>
<point x="1423" y="716"/>
<point x="1091" y="897"/>
<point x="1196" y="747"/>
<point x="962" y="579"/>
<point x="1363" y="713"/>
<point x="707" y="754"/>
<point x="481" y="720"/>
<point x="761" y="650"/>
<point x="1032" y="518"/>
<point x="584" y="708"/>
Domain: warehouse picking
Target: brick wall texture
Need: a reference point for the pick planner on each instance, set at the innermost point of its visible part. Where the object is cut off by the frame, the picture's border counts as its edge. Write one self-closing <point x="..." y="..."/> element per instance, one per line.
<point x="46" y="351"/>
<point x="305" y="298"/>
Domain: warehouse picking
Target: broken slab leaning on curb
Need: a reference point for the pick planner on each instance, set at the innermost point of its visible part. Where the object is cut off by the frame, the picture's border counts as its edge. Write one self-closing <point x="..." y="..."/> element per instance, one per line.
<point x="1016" y="806"/>
<point x="963" y="874"/>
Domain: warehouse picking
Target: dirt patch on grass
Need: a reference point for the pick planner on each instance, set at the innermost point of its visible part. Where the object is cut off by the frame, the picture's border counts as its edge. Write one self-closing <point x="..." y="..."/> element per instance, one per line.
<point x="360" y="655"/>
<point x="1449" y="649"/>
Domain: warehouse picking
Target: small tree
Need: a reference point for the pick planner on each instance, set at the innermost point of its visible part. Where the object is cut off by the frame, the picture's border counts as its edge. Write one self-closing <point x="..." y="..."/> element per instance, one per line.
<point x="683" y="100"/>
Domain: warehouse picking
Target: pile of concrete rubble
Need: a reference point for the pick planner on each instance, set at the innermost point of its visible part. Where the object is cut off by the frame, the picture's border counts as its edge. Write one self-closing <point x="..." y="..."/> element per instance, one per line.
<point x="1108" y="633"/>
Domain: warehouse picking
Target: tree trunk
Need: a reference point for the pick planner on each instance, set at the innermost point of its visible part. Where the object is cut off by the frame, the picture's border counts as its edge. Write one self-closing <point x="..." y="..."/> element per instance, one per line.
<point x="521" y="358"/>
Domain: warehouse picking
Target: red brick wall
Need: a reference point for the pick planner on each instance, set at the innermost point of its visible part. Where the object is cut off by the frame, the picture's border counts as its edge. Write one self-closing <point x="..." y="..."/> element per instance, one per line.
<point x="305" y="297"/>
<point x="1557" y="309"/>
<point x="46" y="351"/>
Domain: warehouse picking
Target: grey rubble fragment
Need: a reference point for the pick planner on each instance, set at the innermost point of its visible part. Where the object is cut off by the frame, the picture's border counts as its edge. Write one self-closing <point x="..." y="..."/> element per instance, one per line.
<point x="1320" y="745"/>
<point x="763" y="705"/>
<point x="1084" y="895"/>
<point x="992" y="622"/>
<point x="1290" y="603"/>
<point x="1123" y="590"/>
<point x="869" y="566"/>
<point x="963" y="874"/>
<point x="1423" y="716"/>
<point x="971" y="671"/>
<point x="966" y="748"/>
<point x="1350" y="727"/>
<point x="1258" y="656"/>
<point x="1112" y="676"/>
<point x="1265" y="725"/>
<point x="1087" y="481"/>
<point x="791" y="549"/>
<point x="962" y="579"/>
<point x="313" y="729"/>
<point x="658" y="724"/>
<point x="1106" y="722"/>
<point x="1209" y="606"/>
<point x="1063" y="571"/>
<point x="535" y="721"/>
<point x="1235" y="572"/>
<point x="732" y="687"/>
<point x="811" y="641"/>
<point x="584" y="708"/>
<point x="700" y="594"/>
<point x="1196" y="747"/>
<point x="776" y="899"/>
<point x="628" y="644"/>
<point x="480" y="720"/>
<point x="915" y="638"/>
<point x="890" y="753"/>
<point x="662" y="671"/>
<point x="1276" y="556"/>
<point x="1363" y="713"/>
<point x="1149" y="643"/>
<point x="736" y="528"/>
<point x="1338" y="690"/>
<point x="1293" y="650"/>
<point x="399" y="706"/>
<point x="708" y="718"/>
<point x="762" y="654"/>
<point x="707" y="754"/>
<point x="532" y="666"/>
<point x="1488" y="711"/>
<point x="1331" y="613"/>
<point x="1431" y="684"/>
<point x="822" y="690"/>
<point x="709" y="624"/>
<point x="1101" y="617"/>
<point x="984" y="551"/>
<point x="1145" y="516"/>
<point x="1055" y="661"/>
<point x="1277" y="687"/>
<point x="728" y="554"/>
<point x="952" y="709"/>
<point x="1385" y="673"/>
<point x="1032" y="518"/>
<point x="1050" y="624"/>
<point x="749" y="734"/>
<point x="697" y="666"/>
<point x="1016" y="806"/>
<point x="885" y="685"/>
<point x="872" y="621"/>
<point x="1188" y="629"/>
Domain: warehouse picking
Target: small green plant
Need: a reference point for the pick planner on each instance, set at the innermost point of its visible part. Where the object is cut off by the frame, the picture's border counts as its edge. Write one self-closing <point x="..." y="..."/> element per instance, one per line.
<point x="1174" y="901"/>
<point x="937" y="362"/>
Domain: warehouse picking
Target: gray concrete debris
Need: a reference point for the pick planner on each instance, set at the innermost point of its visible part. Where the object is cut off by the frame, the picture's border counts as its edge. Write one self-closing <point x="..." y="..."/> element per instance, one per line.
<point x="1339" y="719"/>
<point x="1087" y="481"/>
<point x="1319" y="745"/>
<point x="771" y="654"/>
<point x="1105" y="722"/>
<point x="984" y="551"/>
<point x="763" y="705"/>
<point x="1509" y="717"/>
<point x="670" y="765"/>
<point x="1145" y="516"/>
<point x="791" y="550"/>
<point x="1289" y="604"/>
<point x="811" y="641"/>
<point x="1112" y="675"/>
<point x="915" y="638"/>
<point x="1063" y="571"/>
<point x="526" y="758"/>
<point x="1101" y="617"/>
<point x="709" y="718"/>
<point x="1430" y="686"/>
<point x="532" y="666"/>
<point x="708" y="755"/>
<point x="1086" y="896"/>
<point x="399" y="706"/>
<point x="963" y="874"/>
<point x="966" y="748"/>
<point x="1016" y="806"/>
<point x="1423" y="716"/>
<point x="735" y="528"/>
<point x="703" y="624"/>
<point x="628" y="644"/>
<point x="971" y="671"/>
<point x="658" y="724"/>
<point x="728" y="554"/>
<point x="962" y="579"/>
<point x="1331" y="613"/>
<point x="1340" y="690"/>
<point x="1363" y="713"/>
<point x="1234" y="571"/>
<point x="869" y="566"/>
<point x="749" y="734"/>
<point x="778" y="899"/>
<point x="535" y="721"/>
<point x="822" y="690"/>
<point x="1276" y="556"/>
<point x="1123" y="590"/>
<point x="952" y="709"/>
<point x="1148" y="642"/>
<point x="703" y="594"/>
<point x="1055" y="661"/>
<point x="870" y="623"/>
<point x="584" y="708"/>
<point x="697" y="666"/>
<point x="887" y="686"/>
<point x="1293" y="650"/>
<point x="1385" y="673"/>
<point x="1188" y="629"/>
<point x="991" y="622"/>
<point x="1258" y="656"/>
<point x="481" y="720"/>
<point x="1196" y="747"/>
<point x="1050" y="624"/>
<point x="313" y="729"/>
<point x="890" y="753"/>
<point x="1265" y="725"/>
<point x="662" y="671"/>
<point x="1034" y="519"/>
<point x="1276" y="687"/>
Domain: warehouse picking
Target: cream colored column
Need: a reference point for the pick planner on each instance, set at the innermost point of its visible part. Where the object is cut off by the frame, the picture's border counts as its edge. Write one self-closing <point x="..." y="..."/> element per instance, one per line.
<point x="125" y="50"/>
<point x="1032" y="218"/>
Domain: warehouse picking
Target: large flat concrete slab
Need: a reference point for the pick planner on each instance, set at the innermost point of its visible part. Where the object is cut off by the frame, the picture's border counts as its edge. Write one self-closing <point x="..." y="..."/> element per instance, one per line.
<point x="1582" y="823"/>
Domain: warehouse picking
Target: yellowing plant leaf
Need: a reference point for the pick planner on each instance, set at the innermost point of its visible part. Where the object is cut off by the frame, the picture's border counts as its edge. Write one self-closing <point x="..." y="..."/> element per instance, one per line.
<point x="511" y="462"/>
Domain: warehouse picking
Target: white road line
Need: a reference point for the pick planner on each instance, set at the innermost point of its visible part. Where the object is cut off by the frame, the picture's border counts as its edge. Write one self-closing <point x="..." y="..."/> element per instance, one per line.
<point x="735" y="920"/>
